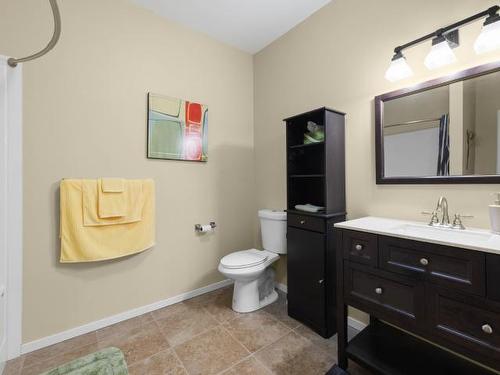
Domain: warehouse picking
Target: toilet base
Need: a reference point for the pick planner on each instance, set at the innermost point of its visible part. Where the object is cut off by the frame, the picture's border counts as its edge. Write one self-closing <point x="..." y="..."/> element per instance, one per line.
<point x="273" y="297"/>
<point x="246" y="297"/>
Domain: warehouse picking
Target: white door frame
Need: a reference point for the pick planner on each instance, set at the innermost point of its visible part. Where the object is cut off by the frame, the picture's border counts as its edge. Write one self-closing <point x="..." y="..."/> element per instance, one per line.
<point x="12" y="201"/>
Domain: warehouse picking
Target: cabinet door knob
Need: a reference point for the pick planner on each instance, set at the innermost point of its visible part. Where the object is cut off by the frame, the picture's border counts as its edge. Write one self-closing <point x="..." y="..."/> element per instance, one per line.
<point x="424" y="262"/>
<point x="378" y="290"/>
<point x="358" y="247"/>
<point x="321" y="281"/>
<point x="302" y="222"/>
<point x="487" y="329"/>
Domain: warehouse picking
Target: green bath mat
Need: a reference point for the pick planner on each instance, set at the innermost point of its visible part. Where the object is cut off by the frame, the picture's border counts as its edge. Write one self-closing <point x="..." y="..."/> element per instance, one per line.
<point x="108" y="361"/>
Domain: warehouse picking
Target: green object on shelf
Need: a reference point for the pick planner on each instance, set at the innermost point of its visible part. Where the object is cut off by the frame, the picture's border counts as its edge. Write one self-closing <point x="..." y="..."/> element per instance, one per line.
<point x="109" y="361"/>
<point x="314" y="137"/>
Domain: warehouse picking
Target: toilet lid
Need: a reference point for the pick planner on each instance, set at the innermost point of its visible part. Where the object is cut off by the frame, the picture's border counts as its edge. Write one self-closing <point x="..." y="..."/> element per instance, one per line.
<point x="244" y="259"/>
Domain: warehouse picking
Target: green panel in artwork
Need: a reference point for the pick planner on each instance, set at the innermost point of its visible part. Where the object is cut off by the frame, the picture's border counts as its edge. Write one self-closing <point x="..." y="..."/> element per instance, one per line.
<point x="165" y="139"/>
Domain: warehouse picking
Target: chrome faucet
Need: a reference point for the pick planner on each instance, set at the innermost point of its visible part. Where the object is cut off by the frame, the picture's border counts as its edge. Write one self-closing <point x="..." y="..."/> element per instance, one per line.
<point x="442" y="206"/>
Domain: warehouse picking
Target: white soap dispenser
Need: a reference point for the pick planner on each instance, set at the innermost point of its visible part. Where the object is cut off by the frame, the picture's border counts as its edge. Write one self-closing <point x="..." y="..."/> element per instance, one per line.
<point x="495" y="214"/>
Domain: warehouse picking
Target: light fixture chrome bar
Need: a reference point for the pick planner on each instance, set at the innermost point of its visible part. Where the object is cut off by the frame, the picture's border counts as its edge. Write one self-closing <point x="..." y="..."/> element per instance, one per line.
<point x="53" y="41"/>
<point x="412" y="122"/>
<point x="488" y="12"/>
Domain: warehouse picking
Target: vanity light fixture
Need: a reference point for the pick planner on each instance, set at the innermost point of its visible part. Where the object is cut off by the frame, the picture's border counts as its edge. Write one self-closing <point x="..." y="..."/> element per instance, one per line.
<point x="441" y="53"/>
<point x="489" y="39"/>
<point x="443" y="40"/>
<point x="399" y="68"/>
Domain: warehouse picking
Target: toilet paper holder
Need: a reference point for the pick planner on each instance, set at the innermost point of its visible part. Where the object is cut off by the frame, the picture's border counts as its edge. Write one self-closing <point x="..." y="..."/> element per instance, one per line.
<point x="199" y="227"/>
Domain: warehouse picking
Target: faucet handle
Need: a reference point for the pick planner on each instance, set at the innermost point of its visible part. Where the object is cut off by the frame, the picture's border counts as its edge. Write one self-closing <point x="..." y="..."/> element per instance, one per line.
<point x="457" y="221"/>
<point x="434" y="217"/>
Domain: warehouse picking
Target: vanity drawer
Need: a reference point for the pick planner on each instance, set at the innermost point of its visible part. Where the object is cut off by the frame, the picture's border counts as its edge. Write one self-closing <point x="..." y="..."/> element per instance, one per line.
<point x="306" y="222"/>
<point x="360" y="247"/>
<point x="471" y="323"/>
<point x="441" y="265"/>
<point x="394" y="299"/>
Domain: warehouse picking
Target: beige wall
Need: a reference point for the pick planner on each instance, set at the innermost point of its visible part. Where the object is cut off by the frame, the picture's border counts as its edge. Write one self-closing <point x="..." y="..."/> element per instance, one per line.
<point x="338" y="58"/>
<point x="85" y="116"/>
<point x="469" y="119"/>
<point x="456" y="128"/>
<point x="487" y="105"/>
<point x="429" y="104"/>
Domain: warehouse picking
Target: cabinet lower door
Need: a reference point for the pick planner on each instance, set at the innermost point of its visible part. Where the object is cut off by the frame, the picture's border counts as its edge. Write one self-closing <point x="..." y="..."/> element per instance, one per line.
<point x="306" y="278"/>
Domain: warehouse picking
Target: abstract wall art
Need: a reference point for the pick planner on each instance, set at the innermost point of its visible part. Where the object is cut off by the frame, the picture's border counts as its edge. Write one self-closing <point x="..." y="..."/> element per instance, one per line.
<point x="177" y="129"/>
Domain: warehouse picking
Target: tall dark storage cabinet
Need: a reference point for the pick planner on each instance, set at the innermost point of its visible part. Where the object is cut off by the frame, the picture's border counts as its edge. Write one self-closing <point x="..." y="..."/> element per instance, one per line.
<point x="315" y="175"/>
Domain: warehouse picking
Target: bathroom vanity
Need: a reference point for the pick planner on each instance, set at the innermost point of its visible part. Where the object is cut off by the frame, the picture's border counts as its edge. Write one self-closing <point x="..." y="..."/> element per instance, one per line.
<point x="315" y="175"/>
<point x="434" y="284"/>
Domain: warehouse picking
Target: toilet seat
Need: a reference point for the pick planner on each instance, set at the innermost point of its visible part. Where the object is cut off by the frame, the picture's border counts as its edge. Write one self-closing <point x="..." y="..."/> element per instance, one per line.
<point x="244" y="259"/>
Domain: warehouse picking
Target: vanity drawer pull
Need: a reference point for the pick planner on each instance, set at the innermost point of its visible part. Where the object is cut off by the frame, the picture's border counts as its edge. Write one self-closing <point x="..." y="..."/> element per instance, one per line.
<point x="358" y="247"/>
<point x="302" y="222"/>
<point x="487" y="329"/>
<point x="378" y="290"/>
<point x="321" y="281"/>
<point x="424" y="262"/>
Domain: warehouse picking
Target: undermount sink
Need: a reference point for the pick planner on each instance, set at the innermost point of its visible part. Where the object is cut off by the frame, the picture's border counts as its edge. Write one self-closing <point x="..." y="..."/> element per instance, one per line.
<point x="444" y="233"/>
<point x="474" y="239"/>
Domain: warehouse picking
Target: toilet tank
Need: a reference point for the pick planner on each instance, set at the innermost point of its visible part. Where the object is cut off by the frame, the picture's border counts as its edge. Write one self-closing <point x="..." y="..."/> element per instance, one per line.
<point x="273" y="230"/>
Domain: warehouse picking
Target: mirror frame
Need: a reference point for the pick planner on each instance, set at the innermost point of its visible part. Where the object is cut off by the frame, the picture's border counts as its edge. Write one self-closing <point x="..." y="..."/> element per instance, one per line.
<point x="379" y="120"/>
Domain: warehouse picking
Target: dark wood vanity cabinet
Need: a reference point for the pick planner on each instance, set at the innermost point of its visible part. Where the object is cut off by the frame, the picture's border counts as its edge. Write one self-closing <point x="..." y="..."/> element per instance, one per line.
<point x="315" y="175"/>
<point x="446" y="295"/>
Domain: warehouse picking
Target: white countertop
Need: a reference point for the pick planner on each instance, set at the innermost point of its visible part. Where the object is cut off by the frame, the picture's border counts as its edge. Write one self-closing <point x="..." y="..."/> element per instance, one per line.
<point x="471" y="238"/>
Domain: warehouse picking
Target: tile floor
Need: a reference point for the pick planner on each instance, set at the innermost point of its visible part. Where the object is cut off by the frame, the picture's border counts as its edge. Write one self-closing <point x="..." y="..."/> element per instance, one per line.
<point x="201" y="336"/>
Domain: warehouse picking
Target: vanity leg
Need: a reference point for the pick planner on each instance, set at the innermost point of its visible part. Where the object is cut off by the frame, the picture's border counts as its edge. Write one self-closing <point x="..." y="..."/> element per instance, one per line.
<point x="341" y="307"/>
<point x="342" y="336"/>
<point x="373" y="320"/>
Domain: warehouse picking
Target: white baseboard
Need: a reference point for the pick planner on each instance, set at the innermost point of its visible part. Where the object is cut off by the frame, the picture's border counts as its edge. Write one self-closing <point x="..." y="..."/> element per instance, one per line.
<point x="92" y="326"/>
<point x="281" y="287"/>
<point x="356" y="324"/>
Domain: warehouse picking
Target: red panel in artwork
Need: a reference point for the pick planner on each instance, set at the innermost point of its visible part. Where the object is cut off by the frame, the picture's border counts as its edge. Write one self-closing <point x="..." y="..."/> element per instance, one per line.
<point x="193" y="112"/>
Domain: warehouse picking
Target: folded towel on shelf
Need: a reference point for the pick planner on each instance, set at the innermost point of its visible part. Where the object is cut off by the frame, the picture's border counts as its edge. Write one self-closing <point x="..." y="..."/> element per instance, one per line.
<point x="309" y="207"/>
<point x="131" y="200"/>
<point x="110" y="238"/>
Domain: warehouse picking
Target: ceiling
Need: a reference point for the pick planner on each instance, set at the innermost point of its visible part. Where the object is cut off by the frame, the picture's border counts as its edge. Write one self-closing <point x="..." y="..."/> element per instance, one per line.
<point x="249" y="25"/>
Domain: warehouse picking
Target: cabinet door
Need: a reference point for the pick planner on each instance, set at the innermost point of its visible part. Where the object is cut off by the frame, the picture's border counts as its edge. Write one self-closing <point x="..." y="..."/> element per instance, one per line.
<point x="306" y="278"/>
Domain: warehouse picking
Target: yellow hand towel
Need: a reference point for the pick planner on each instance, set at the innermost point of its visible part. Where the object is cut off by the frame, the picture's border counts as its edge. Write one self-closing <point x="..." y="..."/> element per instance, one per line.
<point x="112" y="201"/>
<point x="80" y="243"/>
<point x="132" y="198"/>
<point x="113" y="185"/>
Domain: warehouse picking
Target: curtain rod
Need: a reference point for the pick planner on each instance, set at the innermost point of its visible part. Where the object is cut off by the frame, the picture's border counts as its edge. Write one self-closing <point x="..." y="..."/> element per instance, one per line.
<point x="55" y="37"/>
<point x="412" y="122"/>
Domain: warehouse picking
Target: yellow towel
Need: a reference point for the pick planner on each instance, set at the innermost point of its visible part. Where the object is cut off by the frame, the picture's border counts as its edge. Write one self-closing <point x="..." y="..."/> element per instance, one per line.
<point x="80" y="243"/>
<point x="132" y="200"/>
<point x="112" y="185"/>
<point x="112" y="200"/>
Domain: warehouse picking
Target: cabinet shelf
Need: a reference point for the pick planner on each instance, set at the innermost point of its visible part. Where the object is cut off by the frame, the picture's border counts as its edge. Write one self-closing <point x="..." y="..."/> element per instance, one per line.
<point x="306" y="175"/>
<point x="387" y="350"/>
<point x="302" y="146"/>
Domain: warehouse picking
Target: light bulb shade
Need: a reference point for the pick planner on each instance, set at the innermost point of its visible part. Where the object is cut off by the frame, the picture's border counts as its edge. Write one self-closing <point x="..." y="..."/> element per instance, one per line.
<point x="439" y="55"/>
<point x="399" y="69"/>
<point x="489" y="39"/>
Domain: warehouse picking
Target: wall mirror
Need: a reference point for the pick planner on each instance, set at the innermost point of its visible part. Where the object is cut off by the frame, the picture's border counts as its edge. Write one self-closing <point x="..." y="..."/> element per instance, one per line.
<point x="442" y="131"/>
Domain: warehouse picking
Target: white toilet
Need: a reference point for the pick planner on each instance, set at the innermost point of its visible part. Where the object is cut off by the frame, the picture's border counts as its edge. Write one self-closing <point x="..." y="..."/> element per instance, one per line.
<point x="250" y="269"/>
